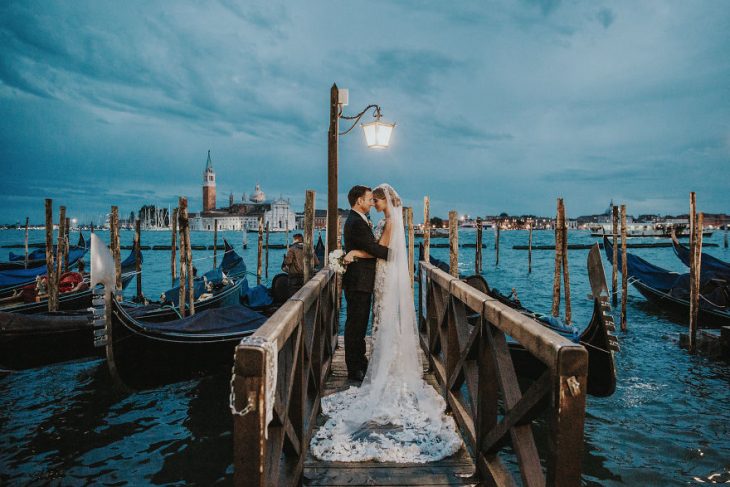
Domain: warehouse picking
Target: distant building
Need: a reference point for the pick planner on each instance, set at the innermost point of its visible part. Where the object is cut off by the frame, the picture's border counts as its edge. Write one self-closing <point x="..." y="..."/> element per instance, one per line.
<point x="241" y="216"/>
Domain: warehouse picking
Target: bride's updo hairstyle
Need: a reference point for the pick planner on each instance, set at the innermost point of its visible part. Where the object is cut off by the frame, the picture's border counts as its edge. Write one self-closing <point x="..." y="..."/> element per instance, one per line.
<point x="379" y="193"/>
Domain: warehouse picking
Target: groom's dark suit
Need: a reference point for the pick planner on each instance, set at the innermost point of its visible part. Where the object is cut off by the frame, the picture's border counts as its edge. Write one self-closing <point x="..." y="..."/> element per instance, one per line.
<point x="358" y="285"/>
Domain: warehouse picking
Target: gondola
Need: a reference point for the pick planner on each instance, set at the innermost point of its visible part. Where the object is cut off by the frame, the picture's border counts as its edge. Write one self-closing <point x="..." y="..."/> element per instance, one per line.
<point x="78" y="298"/>
<point x="596" y="336"/>
<point x="708" y="264"/>
<point x="36" y="258"/>
<point x="11" y="280"/>
<point x="670" y="290"/>
<point x="142" y="353"/>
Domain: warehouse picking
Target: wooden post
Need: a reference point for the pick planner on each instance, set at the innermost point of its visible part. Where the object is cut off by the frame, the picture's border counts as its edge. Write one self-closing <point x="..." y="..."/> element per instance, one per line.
<point x="478" y="253"/>
<point x="426" y="229"/>
<point x="694" y="322"/>
<point x="332" y="142"/>
<point x="59" y="246"/>
<point x="215" y="243"/>
<point x="558" y="259"/>
<point x="114" y="245"/>
<point x="189" y="264"/>
<point x="726" y="225"/>
<point x="182" y="214"/>
<point x="566" y="272"/>
<point x="453" y="244"/>
<point x="529" y="249"/>
<point x="624" y="271"/>
<point x="67" y="229"/>
<point x="693" y="272"/>
<point x="614" y="274"/>
<point x="411" y="236"/>
<point x="496" y="243"/>
<point x="26" y="242"/>
<point x="173" y="247"/>
<point x="50" y="265"/>
<point x="260" y="250"/>
<point x="138" y="256"/>
<point x="266" y="272"/>
<point x="309" y="235"/>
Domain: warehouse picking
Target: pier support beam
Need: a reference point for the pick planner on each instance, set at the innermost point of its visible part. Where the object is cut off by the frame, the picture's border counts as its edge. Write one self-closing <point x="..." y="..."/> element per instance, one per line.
<point x="453" y="244"/>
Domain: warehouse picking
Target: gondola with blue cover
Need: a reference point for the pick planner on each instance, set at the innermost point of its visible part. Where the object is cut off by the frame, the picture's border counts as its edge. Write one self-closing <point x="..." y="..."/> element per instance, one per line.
<point x="708" y="263"/>
<point x="670" y="290"/>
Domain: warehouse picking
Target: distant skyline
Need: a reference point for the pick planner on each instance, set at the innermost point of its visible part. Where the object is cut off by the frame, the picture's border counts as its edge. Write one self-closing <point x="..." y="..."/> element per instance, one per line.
<point x="502" y="106"/>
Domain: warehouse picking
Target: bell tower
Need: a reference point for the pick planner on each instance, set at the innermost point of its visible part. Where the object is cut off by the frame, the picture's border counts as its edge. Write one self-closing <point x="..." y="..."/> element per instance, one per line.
<point x="209" y="186"/>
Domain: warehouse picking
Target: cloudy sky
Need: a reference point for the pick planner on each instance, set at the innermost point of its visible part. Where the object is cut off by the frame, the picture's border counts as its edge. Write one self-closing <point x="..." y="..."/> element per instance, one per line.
<point x="500" y="106"/>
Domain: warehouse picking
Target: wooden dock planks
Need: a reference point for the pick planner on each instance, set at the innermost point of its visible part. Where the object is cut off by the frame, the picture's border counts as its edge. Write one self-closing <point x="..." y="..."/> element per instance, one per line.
<point x="455" y="470"/>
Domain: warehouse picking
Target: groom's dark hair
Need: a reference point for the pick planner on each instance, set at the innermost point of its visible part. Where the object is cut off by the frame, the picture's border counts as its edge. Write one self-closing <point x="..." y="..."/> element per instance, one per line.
<point x="355" y="193"/>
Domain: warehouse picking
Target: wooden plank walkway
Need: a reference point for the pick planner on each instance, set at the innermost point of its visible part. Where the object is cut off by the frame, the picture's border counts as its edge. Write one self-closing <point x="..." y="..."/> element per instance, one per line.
<point x="455" y="470"/>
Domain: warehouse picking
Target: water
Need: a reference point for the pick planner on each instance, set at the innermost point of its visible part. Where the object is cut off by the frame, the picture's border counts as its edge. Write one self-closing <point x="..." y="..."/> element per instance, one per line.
<point x="667" y="424"/>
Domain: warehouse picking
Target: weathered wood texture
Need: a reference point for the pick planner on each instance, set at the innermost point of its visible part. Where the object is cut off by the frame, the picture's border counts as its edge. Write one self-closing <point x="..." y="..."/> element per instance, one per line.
<point x="529" y="250"/>
<point x="566" y="271"/>
<point x="453" y="243"/>
<point x="50" y="266"/>
<point x="614" y="266"/>
<point x="559" y="224"/>
<point x="478" y="248"/>
<point x="60" y="244"/>
<point x="426" y="229"/>
<point x="182" y="215"/>
<point x="695" y="283"/>
<point x="260" y="248"/>
<point x="309" y="234"/>
<point x="138" y="255"/>
<point x="624" y="271"/>
<point x="496" y="243"/>
<point x="463" y="332"/>
<point x="115" y="248"/>
<point x="173" y="247"/>
<point x="304" y="331"/>
<point x="67" y="231"/>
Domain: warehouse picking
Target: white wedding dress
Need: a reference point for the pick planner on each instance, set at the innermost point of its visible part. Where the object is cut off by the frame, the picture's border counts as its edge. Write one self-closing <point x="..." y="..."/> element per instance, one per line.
<point x="394" y="416"/>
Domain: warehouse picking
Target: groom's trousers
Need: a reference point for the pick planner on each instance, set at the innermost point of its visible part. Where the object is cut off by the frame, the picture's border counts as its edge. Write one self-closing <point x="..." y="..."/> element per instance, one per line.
<point x="358" y="314"/>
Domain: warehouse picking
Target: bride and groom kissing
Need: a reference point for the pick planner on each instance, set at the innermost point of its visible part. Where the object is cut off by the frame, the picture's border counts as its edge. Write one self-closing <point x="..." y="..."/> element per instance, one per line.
<point x="394" y="415"/>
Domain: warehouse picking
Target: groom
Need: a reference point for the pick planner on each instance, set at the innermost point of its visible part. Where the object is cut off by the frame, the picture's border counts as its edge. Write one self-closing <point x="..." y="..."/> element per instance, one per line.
<point x="359" y="279"/>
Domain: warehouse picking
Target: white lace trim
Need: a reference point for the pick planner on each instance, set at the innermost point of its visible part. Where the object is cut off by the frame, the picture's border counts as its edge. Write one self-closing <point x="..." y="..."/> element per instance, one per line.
<point x="271" y="355"/>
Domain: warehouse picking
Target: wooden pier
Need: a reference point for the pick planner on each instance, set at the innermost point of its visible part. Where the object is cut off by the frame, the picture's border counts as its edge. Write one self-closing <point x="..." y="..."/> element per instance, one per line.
<point x="463" y="339"/>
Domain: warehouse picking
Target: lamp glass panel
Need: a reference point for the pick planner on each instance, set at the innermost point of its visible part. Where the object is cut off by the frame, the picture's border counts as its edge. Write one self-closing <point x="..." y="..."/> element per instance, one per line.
<point x="377" y="134"/>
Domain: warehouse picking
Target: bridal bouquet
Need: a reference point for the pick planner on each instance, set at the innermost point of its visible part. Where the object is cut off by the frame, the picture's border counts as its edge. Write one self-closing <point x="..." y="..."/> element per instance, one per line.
<point x="337" y="261"/>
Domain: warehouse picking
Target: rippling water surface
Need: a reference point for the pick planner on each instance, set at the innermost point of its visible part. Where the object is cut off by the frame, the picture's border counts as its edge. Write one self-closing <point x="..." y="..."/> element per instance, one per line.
<point x="667" y="424"/>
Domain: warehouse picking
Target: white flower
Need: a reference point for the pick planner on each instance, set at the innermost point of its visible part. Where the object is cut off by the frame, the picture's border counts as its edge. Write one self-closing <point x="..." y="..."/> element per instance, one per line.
<point x="337" y="261"/>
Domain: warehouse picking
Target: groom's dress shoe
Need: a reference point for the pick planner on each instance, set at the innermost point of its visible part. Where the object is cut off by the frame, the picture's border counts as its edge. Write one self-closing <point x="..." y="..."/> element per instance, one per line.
<point x="357" y="375"/>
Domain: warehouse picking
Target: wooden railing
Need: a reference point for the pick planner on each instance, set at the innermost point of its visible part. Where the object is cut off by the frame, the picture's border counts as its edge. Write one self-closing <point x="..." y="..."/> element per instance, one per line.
<point x="463" y="333"/>
<point x="304" y="331"/>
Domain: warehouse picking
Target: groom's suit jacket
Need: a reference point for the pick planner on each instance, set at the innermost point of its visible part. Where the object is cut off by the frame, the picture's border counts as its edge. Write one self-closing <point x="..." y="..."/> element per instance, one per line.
<point x="360" y="275"/>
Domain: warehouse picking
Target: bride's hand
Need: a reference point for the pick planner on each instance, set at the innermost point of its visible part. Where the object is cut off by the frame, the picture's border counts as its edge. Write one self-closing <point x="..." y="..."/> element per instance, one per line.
<point x="349" y="258"/>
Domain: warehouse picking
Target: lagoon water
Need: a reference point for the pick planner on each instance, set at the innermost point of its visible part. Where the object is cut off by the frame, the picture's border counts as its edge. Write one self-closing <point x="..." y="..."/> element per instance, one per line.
<point x="667" y="424"/>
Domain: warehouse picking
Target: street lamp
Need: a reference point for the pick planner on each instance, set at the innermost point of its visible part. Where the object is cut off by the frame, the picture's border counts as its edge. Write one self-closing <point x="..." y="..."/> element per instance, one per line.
<point x="377" y="136"/>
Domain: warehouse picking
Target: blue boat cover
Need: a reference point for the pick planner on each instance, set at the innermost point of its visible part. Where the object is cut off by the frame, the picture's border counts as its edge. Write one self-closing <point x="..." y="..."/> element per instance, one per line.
<point x="255" y="297"/>
<point x="232" y="263"/>
<point x="172" y="296"/>
<point x="228" y="319"/>
<point x="14" y="277"/>
<point x="709" y="264"/>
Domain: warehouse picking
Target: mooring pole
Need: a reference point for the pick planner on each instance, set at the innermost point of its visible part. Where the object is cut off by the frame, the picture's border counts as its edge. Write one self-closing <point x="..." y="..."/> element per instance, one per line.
<point x="138" y="256"/>
<point x="67" y="229"/>
<point x="116" y="249"/>
<point x="215" y="243"/>
<point x="260" y="251"/>
<point x="726" y="225"/>
<point x="558" y="259"/>
<point x="478" y="252"/>
<point x="453" y="243"/>
<point x="173" y="247"/>
<point x="332" y="143"/>
<point x="426" y="229"/>
<point x="566" y="272"/>
<point x="496" y="243"/>
<point x="189" y="264"/>
<point x="529" y="249"/>
<point x="267" y="249"/>
<point x="309" y="235"/>
<point x="624" y="271"/>
<point x="26" y="242"/>
<point x="694" y="320"/>
<point x="614" y="273"/>
<point x="50" y="265"/>
<point x="182" y="215"/>
<point x="59" y="247"/>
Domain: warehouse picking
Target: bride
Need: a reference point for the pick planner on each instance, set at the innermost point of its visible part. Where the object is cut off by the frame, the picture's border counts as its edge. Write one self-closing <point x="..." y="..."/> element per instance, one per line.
<point x="394" y="416"/>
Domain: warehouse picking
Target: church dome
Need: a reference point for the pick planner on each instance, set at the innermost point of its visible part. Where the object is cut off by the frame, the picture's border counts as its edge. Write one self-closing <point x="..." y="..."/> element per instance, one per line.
<point x="258" y="196"/>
